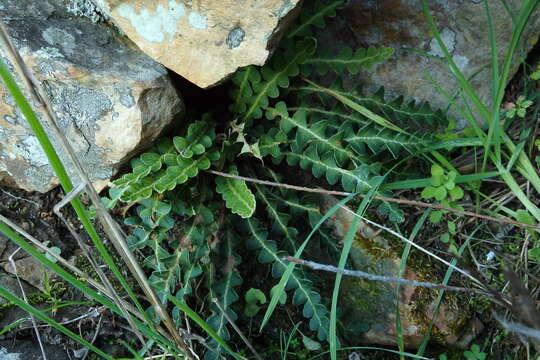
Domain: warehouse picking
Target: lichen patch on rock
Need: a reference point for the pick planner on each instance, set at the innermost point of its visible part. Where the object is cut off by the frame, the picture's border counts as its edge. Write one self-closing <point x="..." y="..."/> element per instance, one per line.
<point x="204" y="41"/>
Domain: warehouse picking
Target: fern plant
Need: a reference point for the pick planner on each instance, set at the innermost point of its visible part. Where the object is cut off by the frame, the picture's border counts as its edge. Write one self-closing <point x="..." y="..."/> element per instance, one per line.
<point x="187" y="221"/>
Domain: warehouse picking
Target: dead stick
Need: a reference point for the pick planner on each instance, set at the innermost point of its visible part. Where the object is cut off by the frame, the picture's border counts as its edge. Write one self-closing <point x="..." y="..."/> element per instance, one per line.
<point x="382" y="198"/>
<point x="372" y="277"/>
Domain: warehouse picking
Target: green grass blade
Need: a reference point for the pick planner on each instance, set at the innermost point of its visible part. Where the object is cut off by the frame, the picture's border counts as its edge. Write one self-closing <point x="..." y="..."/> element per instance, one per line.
<point x="13" y="325"/>
<point x="360" y="109"/>
<point x="421" y="183"/>
<point x="43" y="317"/>
<point x="280" y="287"/>
<point x="401" y="271"/>
<point x="525" y="167"/>
<point x="203" y="324"/>
<point x="347" y="245"/>
<point x="527" y="8"/>
<point x="494" y="128"/>
<point x="463" y="82"/>
<point x="76" y="283"/>
<point x="515" y="155"/>
<point x="509" y="10"/>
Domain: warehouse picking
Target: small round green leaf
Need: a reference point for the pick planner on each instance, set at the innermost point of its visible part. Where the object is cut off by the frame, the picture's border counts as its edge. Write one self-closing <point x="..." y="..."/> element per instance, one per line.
<point x="428" y="192"/>
<point x="436" y="216"/>
<point x="440" y="193"/>
<point x="445" y="238"/>
<point x="436" y="170"/>
<point x="456" y="193"/>
<point x="54" y="250"/>
<point x="311" y="344"/>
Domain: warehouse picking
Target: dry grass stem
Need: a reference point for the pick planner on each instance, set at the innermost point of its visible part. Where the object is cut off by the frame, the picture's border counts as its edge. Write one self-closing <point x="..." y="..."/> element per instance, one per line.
<point x="383" y="198"/>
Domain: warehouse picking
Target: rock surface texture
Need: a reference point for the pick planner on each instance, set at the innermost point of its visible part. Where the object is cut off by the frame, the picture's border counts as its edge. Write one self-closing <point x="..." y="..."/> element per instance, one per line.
<point x="369" y="308"/>
<point x="400" y="24"/>
<point x="111" y="99"/>
<point x="204" y="41"/>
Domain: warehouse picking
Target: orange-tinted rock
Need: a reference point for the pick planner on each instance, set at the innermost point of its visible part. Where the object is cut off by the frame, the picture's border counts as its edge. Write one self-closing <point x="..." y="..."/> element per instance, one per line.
<point x="204" y="41"/>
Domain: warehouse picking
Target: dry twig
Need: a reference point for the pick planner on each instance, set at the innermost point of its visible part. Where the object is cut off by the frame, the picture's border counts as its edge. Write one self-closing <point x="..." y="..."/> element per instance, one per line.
<point x="23" y="293"/>
<point x="237" y="329"/>
<point x="383" y="198"/>
<point x="372" y="277"/>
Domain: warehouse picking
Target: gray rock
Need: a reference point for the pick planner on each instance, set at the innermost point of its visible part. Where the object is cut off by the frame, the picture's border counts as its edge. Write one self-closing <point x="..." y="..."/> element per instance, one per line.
<point x="111" y="99"/>
<point x="400" y="24"/>
<point x="5" y="355"/>
<point x="28" y="349"/>
<point x="87" y="9"/>
<point x="368" y="308"/>
<point x="11" y="284"/>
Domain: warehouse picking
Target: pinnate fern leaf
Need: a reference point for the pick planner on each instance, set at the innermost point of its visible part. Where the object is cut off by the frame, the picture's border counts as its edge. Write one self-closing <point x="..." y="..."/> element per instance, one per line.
<point x="409" y="116"/>
<point x="307" y="133"/>
<point x="146" y="163"/>
<point x="243" y="79"/>
<point x="347" y="60"/>
<point x="280" y="220"/>
<point x="238" y="198"/>
<point x="223" y="291"/>
<point x="173" y="163"/>
<point x="314" y="15"/>
<point x="378" y="139"/>
<point x="305" y="294"/>
<point x="356" y="180"/>
<point x="255" y="97"/>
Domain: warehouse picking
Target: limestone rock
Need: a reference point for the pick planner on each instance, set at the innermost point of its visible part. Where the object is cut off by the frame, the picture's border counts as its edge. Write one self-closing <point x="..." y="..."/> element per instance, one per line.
<point x="29" y="270"/>
<point x="370" y="306"/>
<point x="204" y="41"/>
<point x="400" y="24"/>
<point x="111" y="99"/>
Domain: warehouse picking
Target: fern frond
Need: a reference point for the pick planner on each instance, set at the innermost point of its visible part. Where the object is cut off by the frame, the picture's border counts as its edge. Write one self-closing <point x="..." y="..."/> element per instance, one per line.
<point x="313" y="15"/>
<point x="179" y="171"/>
<point x="243" y="79"/>
<point x="223" y="290"/>
<point x="325" y="164"/>
<point x="312" y="133"/>
<point x="347" y="60"/>
<point x="305" y="294"/>
<point x="378" y="139"/>
<point x="238" y="198"/>
<point x="318" y="112"/>
<point x="409" y="116"/>
<point x="152" y="162"/>
<point x="273" y="78"/>
<point x="271" y="142"/>
<point x="180" y="267"/>
<point x="175" y="163"/>
<point x="301" y="206"/>
<point x="280" y="220"/>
